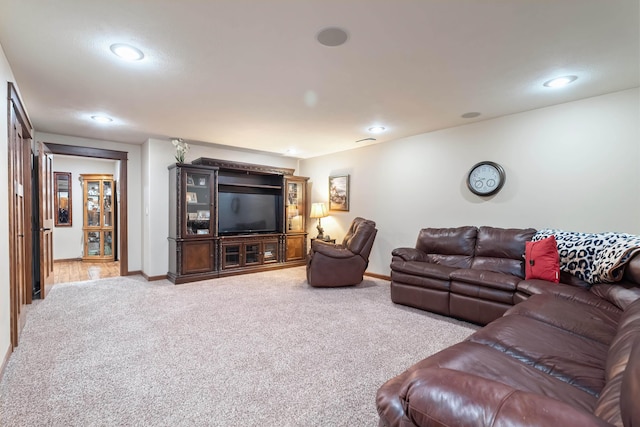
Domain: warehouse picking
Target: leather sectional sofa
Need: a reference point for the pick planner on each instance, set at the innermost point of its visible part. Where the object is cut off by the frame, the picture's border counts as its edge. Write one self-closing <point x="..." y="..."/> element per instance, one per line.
<point x="466" y="272"/>
<point x="563" y="354"/>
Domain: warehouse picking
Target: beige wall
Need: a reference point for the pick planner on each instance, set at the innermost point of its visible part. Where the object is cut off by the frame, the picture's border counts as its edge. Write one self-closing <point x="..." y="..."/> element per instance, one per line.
<point x="573" y="166"/>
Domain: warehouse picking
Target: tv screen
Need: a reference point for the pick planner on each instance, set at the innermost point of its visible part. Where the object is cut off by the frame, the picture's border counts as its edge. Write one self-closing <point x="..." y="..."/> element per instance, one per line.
<point x="247" y="213"/>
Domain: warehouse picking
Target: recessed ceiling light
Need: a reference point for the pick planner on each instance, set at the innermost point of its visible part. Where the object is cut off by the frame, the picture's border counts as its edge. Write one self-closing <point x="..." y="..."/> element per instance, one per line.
<point x="377" y="129"/>
<point x="470" y="115"/>
<point x="332" y="37"/>
<point x="127" y="52"/>
<point x="102" y="119"/>
<point x="560" y="81"/>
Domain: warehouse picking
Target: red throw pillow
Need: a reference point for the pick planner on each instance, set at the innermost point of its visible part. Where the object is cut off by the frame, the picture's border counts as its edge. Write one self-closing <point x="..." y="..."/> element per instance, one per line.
<point x="542" y="260"/>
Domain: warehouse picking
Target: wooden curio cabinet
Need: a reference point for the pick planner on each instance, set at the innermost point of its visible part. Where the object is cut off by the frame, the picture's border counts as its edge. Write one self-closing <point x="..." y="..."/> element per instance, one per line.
<point x="232" y="218"/>
<point x="192" y="223"/>
<point x="98" y="226"/>
<point x="296" y="212"/>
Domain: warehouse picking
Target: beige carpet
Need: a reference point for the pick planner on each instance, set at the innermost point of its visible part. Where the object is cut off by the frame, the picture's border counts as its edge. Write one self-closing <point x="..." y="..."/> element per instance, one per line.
<point x="254" y="350"/>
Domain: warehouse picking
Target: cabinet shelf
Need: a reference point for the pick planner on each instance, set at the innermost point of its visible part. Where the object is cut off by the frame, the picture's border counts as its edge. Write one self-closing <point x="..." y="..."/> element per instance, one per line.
<point x="260" y="186"/>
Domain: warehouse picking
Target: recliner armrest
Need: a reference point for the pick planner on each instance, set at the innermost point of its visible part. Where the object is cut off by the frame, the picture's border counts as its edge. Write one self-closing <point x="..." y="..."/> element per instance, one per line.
<point x="331" y="250"/>
<point x="447" y="397"/>
<point x="410" y="254"/>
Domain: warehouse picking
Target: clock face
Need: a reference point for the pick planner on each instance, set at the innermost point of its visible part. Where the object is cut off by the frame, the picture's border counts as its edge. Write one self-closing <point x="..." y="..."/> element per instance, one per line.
<point x="485" y="178"/>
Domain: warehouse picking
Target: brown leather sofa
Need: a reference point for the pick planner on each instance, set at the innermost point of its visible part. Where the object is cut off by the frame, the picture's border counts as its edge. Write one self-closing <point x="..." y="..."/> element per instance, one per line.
<point x="331" y="265"/>
<point x="564" y="356"/>
<point x="466" y="272"/>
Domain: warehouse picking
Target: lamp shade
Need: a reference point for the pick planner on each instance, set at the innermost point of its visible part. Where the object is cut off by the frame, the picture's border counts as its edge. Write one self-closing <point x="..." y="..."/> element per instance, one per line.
<point x="318" y="210"/>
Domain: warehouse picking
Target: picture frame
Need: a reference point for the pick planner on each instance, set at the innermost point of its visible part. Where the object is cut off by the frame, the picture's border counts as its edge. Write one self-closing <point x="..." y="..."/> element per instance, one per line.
<point x="192" y="197"/>
<point x="204" y="215"/>
<point x="190" y="180"/>
<point x="192" y="216"/>
<point x="339" y="193"/>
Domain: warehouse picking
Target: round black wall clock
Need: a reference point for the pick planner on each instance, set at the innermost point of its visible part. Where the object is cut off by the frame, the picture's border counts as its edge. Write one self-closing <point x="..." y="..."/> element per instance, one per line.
<point x="486" y="178"/>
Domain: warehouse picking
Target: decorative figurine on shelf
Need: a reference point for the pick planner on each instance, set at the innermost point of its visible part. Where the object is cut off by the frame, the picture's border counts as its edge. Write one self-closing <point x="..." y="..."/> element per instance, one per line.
<point x="181" y="149"/>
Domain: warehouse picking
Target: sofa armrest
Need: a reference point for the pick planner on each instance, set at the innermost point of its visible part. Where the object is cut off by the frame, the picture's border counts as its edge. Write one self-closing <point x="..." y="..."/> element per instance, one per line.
<point x="436" y="396"/>
<point x="409" y="254"/>
<point x="330" y="250"/>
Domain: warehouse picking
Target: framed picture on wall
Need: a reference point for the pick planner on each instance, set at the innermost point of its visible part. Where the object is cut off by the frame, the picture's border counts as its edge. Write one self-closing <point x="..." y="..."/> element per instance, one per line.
<point x="339" y="193"/>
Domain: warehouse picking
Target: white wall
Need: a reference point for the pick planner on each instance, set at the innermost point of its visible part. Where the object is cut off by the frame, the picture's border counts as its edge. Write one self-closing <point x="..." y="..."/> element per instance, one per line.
<point x="6" y="75"/>
<point x="157" y="156"/>
<point x="134" y="186"/>
<point x="574" y="166"/>
<point x="68" y="241"/>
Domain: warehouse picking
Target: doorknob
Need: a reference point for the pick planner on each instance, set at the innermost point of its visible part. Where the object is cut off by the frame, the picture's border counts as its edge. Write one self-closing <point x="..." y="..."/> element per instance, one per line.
<point x="45" y="229"/>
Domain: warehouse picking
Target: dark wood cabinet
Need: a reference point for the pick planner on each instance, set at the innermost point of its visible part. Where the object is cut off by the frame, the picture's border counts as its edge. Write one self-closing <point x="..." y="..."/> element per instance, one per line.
<point x="192" y="221"/>
<point x="231" y="218"/>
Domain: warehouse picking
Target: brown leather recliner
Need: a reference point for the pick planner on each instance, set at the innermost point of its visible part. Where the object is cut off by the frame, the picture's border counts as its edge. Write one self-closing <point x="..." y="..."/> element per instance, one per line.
<point x="330" y="265"/>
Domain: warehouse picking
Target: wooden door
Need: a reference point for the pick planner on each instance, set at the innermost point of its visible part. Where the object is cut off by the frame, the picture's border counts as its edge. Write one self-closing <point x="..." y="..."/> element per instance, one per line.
<point x="19" y="161"/>
<point x="45" y="192"/>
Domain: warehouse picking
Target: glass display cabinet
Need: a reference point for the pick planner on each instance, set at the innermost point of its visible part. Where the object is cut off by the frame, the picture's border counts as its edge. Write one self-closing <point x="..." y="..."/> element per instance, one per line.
<point x="98" y="195"/>
<point x="192" y="223"/>
<point x="296" y="213"/>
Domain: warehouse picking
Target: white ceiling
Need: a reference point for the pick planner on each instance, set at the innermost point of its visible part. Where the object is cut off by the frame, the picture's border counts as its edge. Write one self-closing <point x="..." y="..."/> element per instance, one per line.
<point x="250" y="73"/>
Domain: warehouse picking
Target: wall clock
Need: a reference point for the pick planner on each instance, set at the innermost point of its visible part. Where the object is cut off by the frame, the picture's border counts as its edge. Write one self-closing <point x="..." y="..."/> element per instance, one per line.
<point x="486" y="178"/>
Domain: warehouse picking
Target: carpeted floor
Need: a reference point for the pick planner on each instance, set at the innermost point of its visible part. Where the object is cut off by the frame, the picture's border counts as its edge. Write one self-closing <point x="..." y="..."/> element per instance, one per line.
<point x="252" y="350"/>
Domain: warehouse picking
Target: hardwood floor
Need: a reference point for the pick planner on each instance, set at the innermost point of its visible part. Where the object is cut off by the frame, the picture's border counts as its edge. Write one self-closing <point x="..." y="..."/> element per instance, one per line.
<point x="76" y="271"/>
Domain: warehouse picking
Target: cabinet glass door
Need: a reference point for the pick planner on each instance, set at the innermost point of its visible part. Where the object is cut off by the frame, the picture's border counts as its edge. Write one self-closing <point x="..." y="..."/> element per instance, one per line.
<point x="93" y="243"/>
<point x="198" y="203"/>
<point x="108" y="243"/>
<point x="107" y="203"/>
<point x="270" y="253"/>
<point x="231" y="255"/>
<point x="295" y="206"/>
<point x="93" y="204"/>
<point x="252" y="253"/>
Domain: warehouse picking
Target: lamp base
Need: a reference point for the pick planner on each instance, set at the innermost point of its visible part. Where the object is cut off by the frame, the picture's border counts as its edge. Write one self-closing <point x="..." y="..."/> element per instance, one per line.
<point x="320" y="235"/>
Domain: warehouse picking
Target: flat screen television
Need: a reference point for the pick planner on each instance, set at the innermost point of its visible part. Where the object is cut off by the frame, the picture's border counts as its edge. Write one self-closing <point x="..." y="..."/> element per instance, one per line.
<point x="247" y="213"/>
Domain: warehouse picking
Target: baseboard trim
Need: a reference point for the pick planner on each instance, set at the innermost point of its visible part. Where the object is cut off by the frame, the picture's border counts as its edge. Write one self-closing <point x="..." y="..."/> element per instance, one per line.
<point x="378" y="276"/>
<point x="67" y="260"/>
<point x="5" y="360"/>
<point x="148" y="278"/>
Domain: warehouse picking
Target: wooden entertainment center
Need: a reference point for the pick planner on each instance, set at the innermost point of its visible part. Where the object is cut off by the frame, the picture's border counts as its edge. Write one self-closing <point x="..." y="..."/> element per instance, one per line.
<point x="230" y="218"/>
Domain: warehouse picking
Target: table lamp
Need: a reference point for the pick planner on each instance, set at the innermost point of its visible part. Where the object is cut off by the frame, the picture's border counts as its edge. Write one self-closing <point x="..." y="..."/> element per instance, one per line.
<point x="319" y="210"/>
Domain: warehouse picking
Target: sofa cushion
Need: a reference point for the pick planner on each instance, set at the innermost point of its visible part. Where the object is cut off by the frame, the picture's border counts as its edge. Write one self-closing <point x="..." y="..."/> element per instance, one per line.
<point x="541" y="260"/>
<point x="501" y="249"/>
<point x="424" y="269"/>
<point x="491" y="364"/>
<point x="490" y="279"/>
<point x="418" y="281"/>
<point x="585" y="320"/>
<point x="572" y="293"/>
<point x="566" y="356"/>
<point x="482" y="292"/>
<point x="459" y="242"/>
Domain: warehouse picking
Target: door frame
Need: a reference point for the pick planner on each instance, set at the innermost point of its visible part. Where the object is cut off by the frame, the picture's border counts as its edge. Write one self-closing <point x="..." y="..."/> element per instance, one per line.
<point x="19" y="297"/>
<point x="100" y="153"/>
